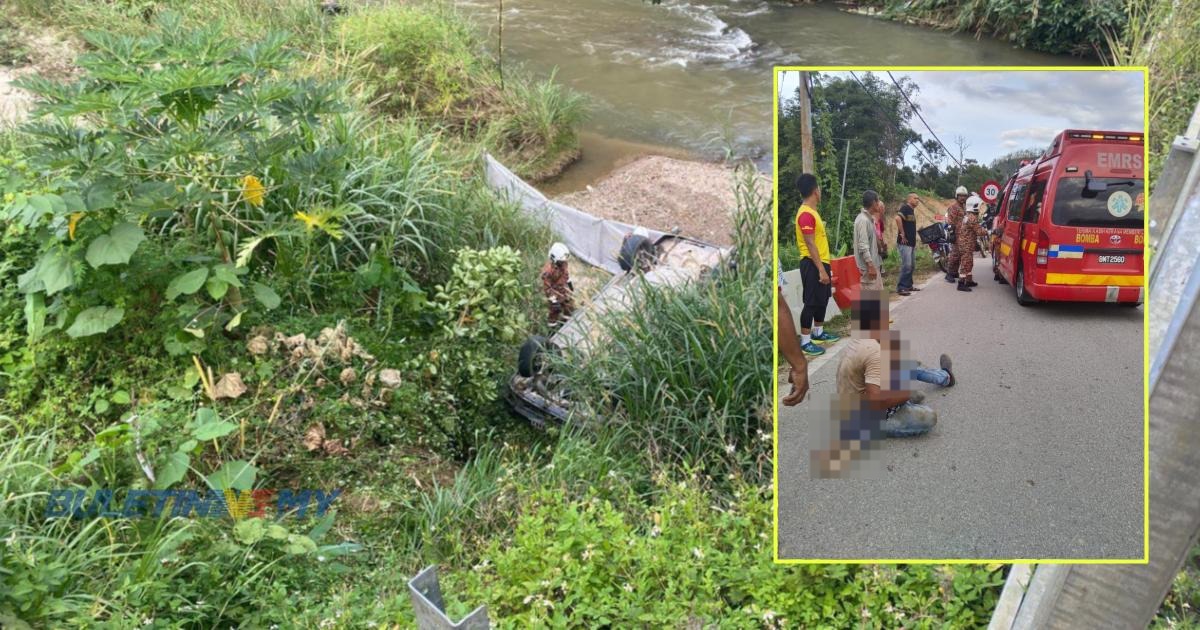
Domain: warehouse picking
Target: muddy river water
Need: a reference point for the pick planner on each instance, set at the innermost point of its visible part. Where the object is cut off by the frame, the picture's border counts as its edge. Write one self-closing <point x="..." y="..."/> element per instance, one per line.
<point x="694" y="77"/>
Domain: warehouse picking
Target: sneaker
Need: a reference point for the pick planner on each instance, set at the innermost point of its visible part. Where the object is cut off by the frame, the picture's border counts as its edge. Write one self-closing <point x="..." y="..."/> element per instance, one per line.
<point x="812" y="349"/>
<point x="903" y="292"/>
<point x="946" y="364"/>
<point x="825" y="337"/>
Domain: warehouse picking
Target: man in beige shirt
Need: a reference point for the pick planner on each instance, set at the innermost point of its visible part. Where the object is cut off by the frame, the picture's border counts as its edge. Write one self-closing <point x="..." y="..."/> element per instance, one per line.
<point x="866" y="242"/>
<point x="871" y="383"/>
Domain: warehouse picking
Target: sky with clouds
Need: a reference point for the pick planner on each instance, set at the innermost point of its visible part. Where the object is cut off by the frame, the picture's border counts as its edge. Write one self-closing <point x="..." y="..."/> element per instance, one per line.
<point x="998" y="112"/>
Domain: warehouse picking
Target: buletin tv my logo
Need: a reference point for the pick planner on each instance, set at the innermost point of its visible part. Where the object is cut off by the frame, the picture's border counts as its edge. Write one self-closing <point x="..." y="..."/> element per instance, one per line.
<point x="236" y="504"/>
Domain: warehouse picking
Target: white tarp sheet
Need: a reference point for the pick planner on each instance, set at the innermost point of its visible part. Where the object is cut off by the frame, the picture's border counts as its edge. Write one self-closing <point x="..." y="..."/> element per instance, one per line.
<point x="593" y="240"/>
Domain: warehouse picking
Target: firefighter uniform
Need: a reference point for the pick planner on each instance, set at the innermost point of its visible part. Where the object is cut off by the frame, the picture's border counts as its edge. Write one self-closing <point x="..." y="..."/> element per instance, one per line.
<point x="556" y="285"/>
<point x="968" y="234"/>
<point x="954" y="218"/>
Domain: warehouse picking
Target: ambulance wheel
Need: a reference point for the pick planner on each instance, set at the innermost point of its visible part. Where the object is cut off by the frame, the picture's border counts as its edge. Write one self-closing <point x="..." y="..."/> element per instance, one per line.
<point x="1022" y="295"/>
<point x="635" y="251"/>
<point x="531" y="359"/>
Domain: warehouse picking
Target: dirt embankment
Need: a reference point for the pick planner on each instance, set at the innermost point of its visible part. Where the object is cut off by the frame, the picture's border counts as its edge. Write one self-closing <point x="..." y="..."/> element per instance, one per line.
<point x="50" y="55"/>
<point x="928" y="208"/>
<point x="665" y="193"/>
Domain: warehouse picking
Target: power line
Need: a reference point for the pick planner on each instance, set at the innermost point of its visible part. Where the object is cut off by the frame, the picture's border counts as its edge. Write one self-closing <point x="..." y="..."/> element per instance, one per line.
<point x="883" y="116"/>
<point x="918" y="113"/>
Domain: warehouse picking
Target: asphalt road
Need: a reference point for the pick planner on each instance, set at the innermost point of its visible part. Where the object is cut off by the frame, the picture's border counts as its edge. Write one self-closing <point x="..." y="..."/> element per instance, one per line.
<point x="1037" y="453"/>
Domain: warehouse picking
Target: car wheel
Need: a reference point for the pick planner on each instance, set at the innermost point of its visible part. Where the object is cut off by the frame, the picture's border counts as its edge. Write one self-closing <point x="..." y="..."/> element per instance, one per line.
<point x="531" y="359"/>
<point x="636" y="251"/>
<point x="1022" y="295"/>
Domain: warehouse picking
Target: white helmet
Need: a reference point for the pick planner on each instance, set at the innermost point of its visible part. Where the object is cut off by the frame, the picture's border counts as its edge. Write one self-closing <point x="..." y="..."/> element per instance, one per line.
<point x="641" y="231"/>
<point x="973" y="203"/>
<point x="961" y="190"/>
<point x="559" y="253"/>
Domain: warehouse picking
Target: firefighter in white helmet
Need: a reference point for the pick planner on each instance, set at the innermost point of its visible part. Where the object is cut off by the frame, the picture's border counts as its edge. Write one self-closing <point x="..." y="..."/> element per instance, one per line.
<point x="556" y="284"/>
<point x="968" y="236"/>
<point x="954" y="218"/>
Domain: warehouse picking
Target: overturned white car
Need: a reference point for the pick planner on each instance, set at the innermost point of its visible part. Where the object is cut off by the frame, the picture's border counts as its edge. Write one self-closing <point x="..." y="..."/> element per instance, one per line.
<point x="636" y="259"/>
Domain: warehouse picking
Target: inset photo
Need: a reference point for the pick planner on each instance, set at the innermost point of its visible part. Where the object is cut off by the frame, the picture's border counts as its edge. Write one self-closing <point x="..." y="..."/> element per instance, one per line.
<point x="961" y="329"/>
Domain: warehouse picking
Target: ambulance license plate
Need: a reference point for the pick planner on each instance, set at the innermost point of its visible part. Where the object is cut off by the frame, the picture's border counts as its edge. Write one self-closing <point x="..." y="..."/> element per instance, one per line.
<point x="1112" y="260"/>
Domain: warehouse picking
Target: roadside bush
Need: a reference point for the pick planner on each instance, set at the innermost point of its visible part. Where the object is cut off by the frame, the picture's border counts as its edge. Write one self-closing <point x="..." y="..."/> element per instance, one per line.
<point x="482" y="319"/>
<point x="1076" y="28"/>
<point x="422" y="59"/>
<point x="686" y="558"/>
<point x="425" y="59"/>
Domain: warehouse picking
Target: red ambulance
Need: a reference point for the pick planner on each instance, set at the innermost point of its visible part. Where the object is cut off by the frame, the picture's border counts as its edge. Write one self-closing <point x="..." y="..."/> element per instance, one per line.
<point x="1070" y="223"/>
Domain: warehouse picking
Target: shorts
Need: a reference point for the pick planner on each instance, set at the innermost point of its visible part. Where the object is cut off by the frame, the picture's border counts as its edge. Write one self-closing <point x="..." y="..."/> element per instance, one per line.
<point x="814" y="293"/>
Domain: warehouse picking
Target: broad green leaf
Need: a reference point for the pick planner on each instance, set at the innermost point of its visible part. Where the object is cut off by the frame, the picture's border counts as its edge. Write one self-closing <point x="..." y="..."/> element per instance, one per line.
<point x="74" y="202"/>
<point x="195" y="332"/>
<point x="277" y="532"/>
<point x="234" y="321"/>
<point x="213" y="430"/>
<point x="323" y="526"/>
<point x="204" y="415"/>
<point x="99" y="196"/>
<point x="116" y="247"/>
<point x="172" y="470"/>
<point x="249" y="531"/>
<point x="95" y="320"/>
<point x="35" y="315"/>
<point x="54" y="270"/>
<point x="187" y="283"/>
<point x="228" y="274"/>
<point x="42" y="204"/>
<point x="120" y="397"/>
<point x="237" y="475"/>
<point x="187" y="446"/>
<point x="265" y="295"/>
<point x="216" y="287"/>
<point x="101" y="406"/>
<point x="298" y="544"/>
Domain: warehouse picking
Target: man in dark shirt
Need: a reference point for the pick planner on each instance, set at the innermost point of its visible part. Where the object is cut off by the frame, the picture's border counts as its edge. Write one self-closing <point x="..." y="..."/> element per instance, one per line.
<point x="906" y="238"/>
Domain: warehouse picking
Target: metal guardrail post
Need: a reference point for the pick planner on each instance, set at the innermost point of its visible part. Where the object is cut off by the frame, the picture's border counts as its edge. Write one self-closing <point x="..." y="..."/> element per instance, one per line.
<point x="429" y="606"/>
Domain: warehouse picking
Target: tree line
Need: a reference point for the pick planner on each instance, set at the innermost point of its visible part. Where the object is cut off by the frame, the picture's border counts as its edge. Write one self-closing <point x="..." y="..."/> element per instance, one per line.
<point x="861" y="125"/>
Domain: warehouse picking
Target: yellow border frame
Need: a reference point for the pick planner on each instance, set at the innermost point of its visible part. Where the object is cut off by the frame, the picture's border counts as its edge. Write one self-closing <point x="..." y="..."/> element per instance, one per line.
<point x="1145" y="559"/>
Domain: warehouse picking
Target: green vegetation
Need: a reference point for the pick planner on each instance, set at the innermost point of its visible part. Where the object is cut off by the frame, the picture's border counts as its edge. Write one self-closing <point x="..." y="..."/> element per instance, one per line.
<point x="875" y="158"/>
<point x="226" y="263"/>
<point x="1075" y="28"/>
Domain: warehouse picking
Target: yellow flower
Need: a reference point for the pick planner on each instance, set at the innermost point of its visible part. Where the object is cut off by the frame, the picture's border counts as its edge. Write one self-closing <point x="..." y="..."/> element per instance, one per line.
<point x="252" y="190"/>
<point x="309" y="221"/>
<point x="75" y="218"/>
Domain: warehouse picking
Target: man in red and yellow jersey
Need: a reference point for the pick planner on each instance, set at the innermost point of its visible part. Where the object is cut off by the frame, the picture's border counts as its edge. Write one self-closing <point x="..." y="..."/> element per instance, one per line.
<point x="815" y="272"/>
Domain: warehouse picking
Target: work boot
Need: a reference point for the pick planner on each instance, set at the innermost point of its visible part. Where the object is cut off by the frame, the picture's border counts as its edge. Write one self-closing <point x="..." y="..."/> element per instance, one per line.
<point x="950" y="277"/>
<point x="971" y="282"/>
<point x="962" y="286"/>
<point x="946" y="364"/>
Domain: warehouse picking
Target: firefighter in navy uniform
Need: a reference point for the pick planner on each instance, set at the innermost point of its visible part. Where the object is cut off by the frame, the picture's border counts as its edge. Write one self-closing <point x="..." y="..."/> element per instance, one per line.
<point x="954" y="218"/>
<point x="969" y="233"/>
<point x="556" y="284"/>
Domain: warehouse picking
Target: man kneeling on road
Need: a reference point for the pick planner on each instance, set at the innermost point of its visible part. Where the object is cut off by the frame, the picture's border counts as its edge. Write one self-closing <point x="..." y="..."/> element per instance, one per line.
<point x="864" y="364"/>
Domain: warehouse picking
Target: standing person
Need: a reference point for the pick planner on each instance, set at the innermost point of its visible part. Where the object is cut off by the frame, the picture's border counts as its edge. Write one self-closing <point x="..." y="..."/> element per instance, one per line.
<point x="906" y="238"/>
<point x="954" y="217"/>
<point x="556" y="285"/>
<point x="968" y="238"/>
<point x="866" y="242"/>
<point x="815" y="272"/>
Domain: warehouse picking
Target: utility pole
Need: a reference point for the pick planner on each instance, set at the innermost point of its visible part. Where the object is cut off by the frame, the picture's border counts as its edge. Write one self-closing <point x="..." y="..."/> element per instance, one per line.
<point x="806" y="140"/>
<point x="837" y="239"/>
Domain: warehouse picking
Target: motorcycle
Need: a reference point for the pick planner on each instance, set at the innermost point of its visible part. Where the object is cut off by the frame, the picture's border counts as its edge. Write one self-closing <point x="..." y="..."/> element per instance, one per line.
<point x="937" y="237"/>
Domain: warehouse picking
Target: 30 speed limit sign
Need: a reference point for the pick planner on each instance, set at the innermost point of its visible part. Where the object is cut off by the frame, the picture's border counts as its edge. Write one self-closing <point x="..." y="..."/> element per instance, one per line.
<point x="990" y="191"/>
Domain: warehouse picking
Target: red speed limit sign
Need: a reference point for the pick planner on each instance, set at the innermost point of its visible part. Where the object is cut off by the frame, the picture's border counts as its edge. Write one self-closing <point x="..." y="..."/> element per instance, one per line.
<point x="990" y="191"/>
